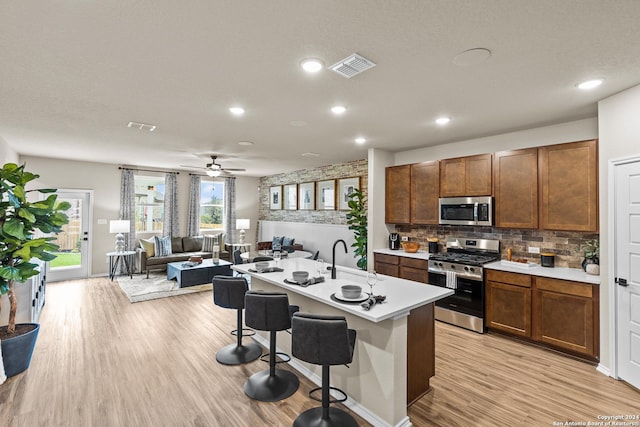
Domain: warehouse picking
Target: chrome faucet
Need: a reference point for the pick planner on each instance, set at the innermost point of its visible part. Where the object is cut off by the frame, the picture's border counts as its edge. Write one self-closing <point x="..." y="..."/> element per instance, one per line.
<point x="333" y="260"/>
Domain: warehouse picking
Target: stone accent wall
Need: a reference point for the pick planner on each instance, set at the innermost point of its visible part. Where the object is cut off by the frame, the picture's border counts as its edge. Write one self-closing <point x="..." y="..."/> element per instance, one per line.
<point x="342" y="170"/>
<point x="567" y="245"/>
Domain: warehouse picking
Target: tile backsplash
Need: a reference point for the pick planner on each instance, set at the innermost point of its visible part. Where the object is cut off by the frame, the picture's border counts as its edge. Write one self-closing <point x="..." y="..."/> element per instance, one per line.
<point x="566" y="245"/>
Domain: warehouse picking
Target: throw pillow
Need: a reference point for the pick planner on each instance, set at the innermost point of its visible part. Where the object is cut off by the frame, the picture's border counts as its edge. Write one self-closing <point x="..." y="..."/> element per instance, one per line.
<point x="287" y="241"/>
<point x="208" y="242"/>
<point x="162" y="246"/>
<point x="149" y="246"/>
<point x="276" y="241"/>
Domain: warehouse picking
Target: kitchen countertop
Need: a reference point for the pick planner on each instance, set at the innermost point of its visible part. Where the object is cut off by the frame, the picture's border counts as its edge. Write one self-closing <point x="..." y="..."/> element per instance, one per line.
<point x="563" y="273"/>
<point x="402" y="295"/>
<point x="421" y="254"/>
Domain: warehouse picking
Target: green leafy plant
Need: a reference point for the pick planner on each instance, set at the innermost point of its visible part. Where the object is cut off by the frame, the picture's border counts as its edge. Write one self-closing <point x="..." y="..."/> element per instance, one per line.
<point x="357" y="220"/>
<point x="19" y="219"/>
<point x="592" y="250"/>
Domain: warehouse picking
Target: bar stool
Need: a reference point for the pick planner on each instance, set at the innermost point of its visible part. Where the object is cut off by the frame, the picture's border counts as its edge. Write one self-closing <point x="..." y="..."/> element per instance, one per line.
<point x="270" y="311"/>
<point x="228" y="292"/>
<point x="323" y="340"/>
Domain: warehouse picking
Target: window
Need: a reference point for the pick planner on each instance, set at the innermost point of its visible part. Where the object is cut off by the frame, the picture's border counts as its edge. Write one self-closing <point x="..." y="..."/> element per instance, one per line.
<point x="211" y="205"/>
<point x="149" y="203"/>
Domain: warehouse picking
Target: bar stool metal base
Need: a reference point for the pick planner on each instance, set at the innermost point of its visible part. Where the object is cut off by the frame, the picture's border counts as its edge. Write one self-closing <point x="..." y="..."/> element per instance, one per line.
<point x="235" y="354"/>
<point x="313" y="418"/>
<point x="270" y="388"/>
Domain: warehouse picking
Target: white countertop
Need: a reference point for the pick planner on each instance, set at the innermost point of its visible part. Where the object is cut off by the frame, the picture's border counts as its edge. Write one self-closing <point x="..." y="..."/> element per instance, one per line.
<point x="402" y="295"/>
<point x="421" y="254"/>
<point x="563" y="273"/>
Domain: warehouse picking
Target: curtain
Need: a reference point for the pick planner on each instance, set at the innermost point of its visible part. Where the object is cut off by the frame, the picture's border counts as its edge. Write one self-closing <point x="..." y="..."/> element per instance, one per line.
<point x="128" y="208"/>
<point x="171" y="224"/>
<point x="229" y="217"/>
<point x="193" y="218"/>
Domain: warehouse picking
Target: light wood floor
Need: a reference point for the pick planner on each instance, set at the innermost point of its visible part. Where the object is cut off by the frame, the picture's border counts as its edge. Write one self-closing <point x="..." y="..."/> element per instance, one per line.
<point x="101" y="361"/>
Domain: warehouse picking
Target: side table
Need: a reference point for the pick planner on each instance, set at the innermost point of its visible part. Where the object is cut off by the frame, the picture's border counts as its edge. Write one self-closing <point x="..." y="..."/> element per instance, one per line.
<point x="119" y="258"/>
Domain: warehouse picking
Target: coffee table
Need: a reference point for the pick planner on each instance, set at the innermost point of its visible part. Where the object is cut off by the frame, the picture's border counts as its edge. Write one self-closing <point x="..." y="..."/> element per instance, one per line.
<point x="199" y="274"/>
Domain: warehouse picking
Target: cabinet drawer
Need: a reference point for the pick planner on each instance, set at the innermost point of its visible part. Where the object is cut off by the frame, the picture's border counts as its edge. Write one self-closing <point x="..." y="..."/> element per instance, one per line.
<point x="387" y="259"/>
<point x="510" y="278"/>
<point x="415" y="274"/>
<point x="413" y="262"/>
<point x="386" y="269"/>
<point x="564" y="287"/>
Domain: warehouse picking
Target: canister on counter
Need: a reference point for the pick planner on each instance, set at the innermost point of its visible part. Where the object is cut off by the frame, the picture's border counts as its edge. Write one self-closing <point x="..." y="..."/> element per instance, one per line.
<point x="547" y="259"/>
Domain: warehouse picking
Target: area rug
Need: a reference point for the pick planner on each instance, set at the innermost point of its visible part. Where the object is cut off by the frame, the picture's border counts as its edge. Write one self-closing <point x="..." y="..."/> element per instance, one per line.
<point x="139" y="288"/>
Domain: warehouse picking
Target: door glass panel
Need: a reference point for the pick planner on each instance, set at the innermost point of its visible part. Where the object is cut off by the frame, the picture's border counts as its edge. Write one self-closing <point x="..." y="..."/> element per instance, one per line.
<point x="69" y="254"/>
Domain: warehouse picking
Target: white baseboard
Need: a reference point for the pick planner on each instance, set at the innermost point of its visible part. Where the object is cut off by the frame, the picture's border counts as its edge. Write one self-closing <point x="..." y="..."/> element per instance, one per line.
<point x="603" y="370"/>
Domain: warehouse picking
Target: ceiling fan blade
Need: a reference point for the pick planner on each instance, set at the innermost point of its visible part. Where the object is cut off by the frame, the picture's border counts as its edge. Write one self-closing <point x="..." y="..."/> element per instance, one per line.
<point x="234" y="169"/>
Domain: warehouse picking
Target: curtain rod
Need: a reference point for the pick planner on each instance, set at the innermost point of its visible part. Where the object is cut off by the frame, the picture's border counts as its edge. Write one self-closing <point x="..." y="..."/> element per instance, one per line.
<point x="147" y="170"/>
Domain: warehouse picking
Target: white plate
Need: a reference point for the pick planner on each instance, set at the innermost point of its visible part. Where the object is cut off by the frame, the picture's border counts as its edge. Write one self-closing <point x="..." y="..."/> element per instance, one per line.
<point x="292" y="280"/>
<point x="361" y="298"/>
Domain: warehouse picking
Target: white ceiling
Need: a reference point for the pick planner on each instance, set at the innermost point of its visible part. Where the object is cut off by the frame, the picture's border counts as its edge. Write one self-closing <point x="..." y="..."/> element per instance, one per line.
<point x="74" y="73"/>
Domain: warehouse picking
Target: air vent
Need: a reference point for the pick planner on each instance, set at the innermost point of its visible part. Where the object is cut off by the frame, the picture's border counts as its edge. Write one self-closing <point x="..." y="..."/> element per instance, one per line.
<point x="352" y="66"/>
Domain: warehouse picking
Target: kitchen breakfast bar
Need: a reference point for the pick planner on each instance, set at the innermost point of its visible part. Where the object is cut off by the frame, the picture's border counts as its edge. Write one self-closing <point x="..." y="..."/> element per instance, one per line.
<point x="394" y="356"/>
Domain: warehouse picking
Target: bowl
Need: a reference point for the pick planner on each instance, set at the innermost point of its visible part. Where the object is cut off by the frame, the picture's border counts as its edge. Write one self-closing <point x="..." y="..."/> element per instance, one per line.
<point x="351" y="291"/>
<point x="410" y="247"/>
<point x="196" y="259"/>
<point x="261" y="266"/>
<point x="300" y="276"/>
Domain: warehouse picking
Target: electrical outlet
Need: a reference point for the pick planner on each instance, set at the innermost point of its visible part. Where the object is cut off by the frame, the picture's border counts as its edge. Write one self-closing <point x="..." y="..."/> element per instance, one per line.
<point x="405" y="238"/>
<point x="534" y="250"/>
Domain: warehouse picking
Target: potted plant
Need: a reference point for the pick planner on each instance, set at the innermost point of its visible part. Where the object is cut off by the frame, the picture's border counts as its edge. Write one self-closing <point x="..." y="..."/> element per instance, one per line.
<point x="357" y="220"/>
<point x="591" y="262"/>
<point x="19" y="219"/>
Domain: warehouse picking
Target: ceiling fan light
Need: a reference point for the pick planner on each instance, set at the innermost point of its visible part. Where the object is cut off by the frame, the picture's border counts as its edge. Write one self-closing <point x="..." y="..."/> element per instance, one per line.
<point x="213" y="172"/>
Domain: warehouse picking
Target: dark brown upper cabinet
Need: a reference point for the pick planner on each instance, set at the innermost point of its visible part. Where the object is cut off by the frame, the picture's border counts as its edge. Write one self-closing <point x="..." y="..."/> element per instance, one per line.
<point x="466" y="176"/>
<point x="568" y="179"/>
<point x="515" y="177"/>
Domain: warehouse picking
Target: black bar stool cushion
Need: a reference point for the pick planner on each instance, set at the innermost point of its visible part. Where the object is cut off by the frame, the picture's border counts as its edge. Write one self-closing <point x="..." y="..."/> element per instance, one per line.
<point x="267" y="311"/>
<point x="322" y="339"/>
<point x="228" y="291"/>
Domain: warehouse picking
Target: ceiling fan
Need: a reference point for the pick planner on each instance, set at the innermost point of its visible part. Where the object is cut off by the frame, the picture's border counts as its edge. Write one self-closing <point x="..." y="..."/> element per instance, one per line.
<point x="214" y="169"/>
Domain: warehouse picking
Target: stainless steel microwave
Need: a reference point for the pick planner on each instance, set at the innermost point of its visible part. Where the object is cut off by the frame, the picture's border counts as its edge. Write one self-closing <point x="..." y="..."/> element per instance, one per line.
<point x="466" y="210"/>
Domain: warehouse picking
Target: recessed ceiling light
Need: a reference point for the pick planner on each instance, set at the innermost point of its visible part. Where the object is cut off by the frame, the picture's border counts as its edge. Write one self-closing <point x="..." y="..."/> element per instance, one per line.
<point x="310" y="154"/>
<point x="338" y="109"/>
<point x="590" y="84"/>
<point x="472" y="57"/>
<point x="360" y="140"/>
<point x="312" y="65"/>
<point x="142" y="126"/>
<point x="297" y="123"/>
<point x="237" y="111"/>
<point x="246" y="143"/>
<point x="443" y="120"/>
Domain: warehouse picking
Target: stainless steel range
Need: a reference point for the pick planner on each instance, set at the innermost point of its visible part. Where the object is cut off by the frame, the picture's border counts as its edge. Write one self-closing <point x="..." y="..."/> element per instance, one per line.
<point x="460" y="269"/>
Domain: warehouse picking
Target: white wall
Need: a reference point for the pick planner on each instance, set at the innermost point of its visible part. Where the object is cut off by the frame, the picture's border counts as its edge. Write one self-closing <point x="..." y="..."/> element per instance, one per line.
<point x="7" y="154"/>
<point x="565" y="132"/>
<point x="104" y="180"/>
<point x="313" y="237"/>
<point x="619" y="137"/>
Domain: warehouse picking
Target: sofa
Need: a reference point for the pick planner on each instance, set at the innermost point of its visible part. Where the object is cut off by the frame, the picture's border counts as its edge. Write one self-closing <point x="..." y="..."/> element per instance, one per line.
<point x="182" y="248"/>
<point x="284" y="241"/>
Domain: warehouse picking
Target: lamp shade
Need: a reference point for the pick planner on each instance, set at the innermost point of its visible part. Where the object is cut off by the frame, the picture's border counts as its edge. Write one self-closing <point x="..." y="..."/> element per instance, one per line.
<point x="243" y="224"/>
<point x="119" y="226"/>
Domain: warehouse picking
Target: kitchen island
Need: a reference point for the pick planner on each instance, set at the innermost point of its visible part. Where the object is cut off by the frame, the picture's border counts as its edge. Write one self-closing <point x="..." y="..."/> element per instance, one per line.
<point x="394" y="356"/>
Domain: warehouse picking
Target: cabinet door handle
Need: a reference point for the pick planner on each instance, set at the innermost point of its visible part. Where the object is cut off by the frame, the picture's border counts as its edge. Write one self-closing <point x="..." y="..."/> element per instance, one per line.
<point x="622" y="282"/>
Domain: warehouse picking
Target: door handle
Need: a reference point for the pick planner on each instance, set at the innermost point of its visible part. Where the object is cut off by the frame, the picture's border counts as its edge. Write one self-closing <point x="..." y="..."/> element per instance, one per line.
<point x="622" y="282"/>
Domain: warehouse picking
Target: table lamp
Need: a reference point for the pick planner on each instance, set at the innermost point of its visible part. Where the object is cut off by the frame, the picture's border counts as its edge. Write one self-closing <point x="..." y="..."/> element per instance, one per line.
<point x="242" y="224"/>
<point x="119" y="226"/>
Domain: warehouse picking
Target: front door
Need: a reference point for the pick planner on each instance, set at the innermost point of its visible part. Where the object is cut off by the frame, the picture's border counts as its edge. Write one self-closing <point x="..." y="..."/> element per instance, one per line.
<point x="627" y="270"/>
<point x="72" y="261"/>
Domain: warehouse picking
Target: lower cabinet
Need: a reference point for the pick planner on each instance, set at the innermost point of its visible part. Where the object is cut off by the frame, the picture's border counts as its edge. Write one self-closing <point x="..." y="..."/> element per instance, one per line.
<point x="387" y="264"/>
<point x="413" y="269"/>
<point x="508" y="302"/>
<point x="558" y="313"/>
<point x="566" y="315"/>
